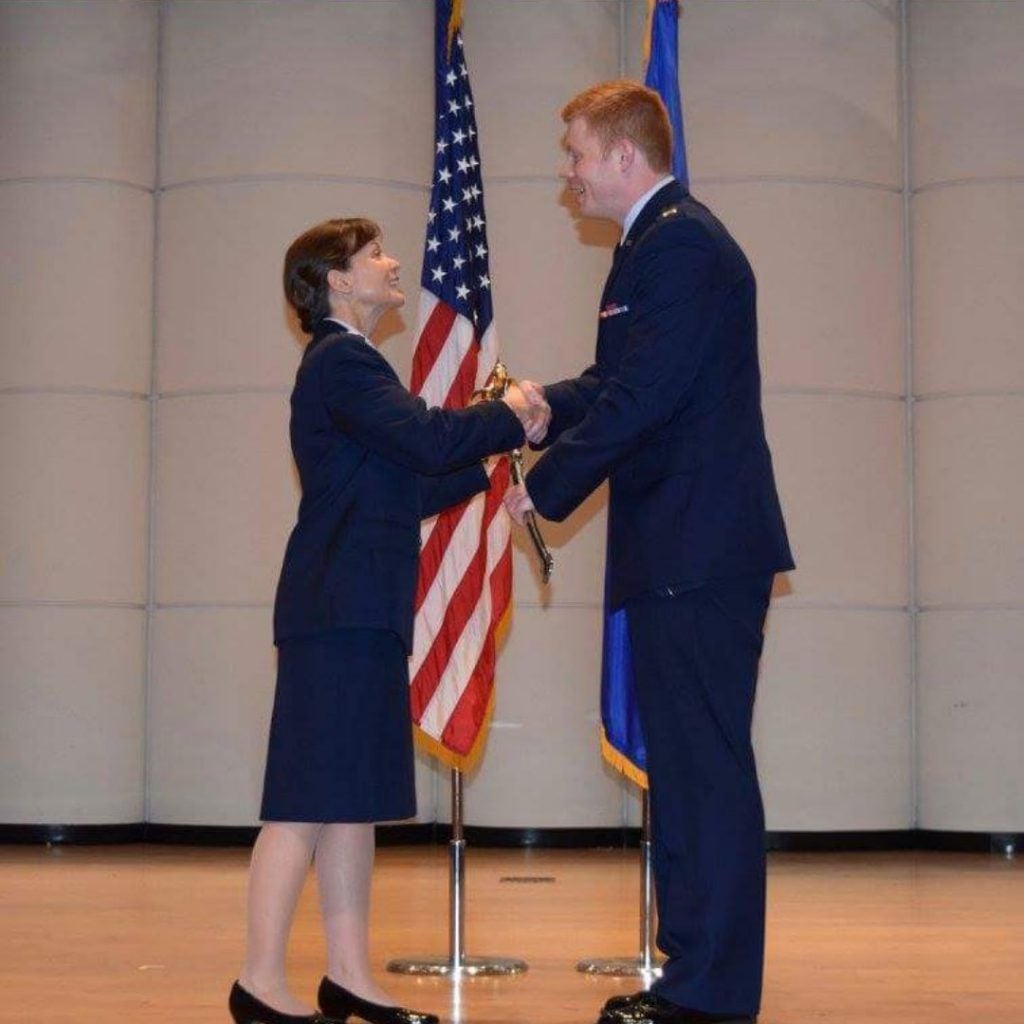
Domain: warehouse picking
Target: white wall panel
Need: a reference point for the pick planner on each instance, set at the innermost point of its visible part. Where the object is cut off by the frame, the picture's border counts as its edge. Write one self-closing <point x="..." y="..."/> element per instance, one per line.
<point x="306" y="109"/>
<point x="548" y="268"/>
<point x="970" y="500"/>
<point x="786" y="88"/>
<point x="841" y="472"/>
<point x="226" y="498"/>
<point x="211" y="693"/>
<point x="968" y="89"/>
<point x="527" y="60"/>
<point x="76" y="304"/>
<point x="73" y="505"/>
<point x="833" y="724"/>
<point x="542" y="766"/>
<point x="78" y="89"/>
<point x="969" y="288"/>
<point x="971" y="705"/>
<point x="71" y="715"/>
<point x="314" y="87"/>
<point x="828" y="262"/>
<point x="223" y="321"/>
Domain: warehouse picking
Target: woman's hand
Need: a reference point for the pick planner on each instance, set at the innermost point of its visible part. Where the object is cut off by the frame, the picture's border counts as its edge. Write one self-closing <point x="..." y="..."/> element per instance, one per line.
<point x="527" y="401"/>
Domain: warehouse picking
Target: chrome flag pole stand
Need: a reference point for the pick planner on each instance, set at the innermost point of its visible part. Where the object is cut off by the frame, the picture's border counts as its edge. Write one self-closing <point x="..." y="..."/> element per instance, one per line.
<point x="457" y="964"/>
<point x="645" y="965"/>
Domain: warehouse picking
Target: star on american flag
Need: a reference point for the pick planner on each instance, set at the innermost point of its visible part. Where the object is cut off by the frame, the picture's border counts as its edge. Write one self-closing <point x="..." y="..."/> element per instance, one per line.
<point x="457" y="271"/>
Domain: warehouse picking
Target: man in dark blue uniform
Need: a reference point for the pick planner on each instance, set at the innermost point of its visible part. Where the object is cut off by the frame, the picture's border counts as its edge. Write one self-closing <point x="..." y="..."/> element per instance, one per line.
<point x="670" y="414"/>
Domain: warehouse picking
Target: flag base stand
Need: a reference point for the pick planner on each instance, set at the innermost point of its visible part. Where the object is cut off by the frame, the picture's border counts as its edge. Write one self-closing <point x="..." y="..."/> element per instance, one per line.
<point x="469" y="967"/>
<point x="457" y="964"/>
<point x="635" y="968"/>
<point x="644" y="965"/>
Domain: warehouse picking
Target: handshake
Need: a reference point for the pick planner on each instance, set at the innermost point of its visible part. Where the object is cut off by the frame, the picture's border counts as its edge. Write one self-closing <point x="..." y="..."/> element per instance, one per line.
<point x="526" y="399"/>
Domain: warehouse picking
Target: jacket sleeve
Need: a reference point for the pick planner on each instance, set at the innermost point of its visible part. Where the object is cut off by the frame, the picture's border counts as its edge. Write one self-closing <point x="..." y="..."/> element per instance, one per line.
<point x="366" y="400"/>
<point x="440" y="492"/>
<point x="675" y="302"/>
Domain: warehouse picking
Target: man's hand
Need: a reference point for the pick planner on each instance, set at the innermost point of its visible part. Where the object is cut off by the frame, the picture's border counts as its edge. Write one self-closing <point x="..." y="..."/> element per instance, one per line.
<point x="531" y="407"/>
<point x="517" y="502"/>
<point x="535" y="396"/>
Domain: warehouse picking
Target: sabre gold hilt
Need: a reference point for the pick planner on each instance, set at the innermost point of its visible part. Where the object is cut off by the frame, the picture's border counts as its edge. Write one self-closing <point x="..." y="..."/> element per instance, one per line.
<point x="497" y="384"/>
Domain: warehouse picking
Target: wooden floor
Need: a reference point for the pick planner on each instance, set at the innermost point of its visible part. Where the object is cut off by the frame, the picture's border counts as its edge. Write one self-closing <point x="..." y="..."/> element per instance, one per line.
<point x="154" y="934"/>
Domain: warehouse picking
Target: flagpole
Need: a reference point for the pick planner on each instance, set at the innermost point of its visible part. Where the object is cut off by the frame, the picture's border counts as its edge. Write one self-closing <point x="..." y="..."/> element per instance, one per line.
<point x="644" y="965"/>
<point x="457" y="964"/>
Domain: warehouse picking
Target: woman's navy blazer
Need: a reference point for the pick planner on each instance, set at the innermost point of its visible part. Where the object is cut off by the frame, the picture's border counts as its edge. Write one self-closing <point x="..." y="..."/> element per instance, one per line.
<point x="373" y="461"/>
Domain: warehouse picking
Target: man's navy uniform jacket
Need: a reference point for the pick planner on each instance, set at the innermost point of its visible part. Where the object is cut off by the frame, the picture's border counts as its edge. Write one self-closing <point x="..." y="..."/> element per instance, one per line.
<point x="373" y="461"/>
<point x="670" y="412"/>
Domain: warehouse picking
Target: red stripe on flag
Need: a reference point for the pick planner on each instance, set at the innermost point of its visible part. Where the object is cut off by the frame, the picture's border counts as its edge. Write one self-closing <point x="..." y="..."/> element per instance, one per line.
<point x="436" y="548"/>
<point x="460" y="609"/>
<point x="434" y="551"/>
<point x="469" y="713"/>
<point x="430" y="344"/>
<point x="464" y="384"/>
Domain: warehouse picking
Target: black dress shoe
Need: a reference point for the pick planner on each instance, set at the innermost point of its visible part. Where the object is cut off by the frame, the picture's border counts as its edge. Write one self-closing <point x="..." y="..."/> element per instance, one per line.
<point x="340" y="1004"/>
<point x="650" y="1008"/>
<point x="247" y="1009"/>
<point x="633" y="999"/>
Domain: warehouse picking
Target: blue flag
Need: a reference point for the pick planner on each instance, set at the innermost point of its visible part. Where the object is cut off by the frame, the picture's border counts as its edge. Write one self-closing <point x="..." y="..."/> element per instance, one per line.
<point x="663" y="77"/>
<point x="622" y="742"/>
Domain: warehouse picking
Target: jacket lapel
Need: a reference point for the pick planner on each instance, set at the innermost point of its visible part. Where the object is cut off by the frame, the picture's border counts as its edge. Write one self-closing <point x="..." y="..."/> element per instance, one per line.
<point x="671" y="192"/>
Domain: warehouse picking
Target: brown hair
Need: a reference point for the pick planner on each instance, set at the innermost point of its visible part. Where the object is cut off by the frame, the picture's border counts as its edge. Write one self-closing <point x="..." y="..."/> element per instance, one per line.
<point x="327" y="246"/>
<point x="625" y="109"/>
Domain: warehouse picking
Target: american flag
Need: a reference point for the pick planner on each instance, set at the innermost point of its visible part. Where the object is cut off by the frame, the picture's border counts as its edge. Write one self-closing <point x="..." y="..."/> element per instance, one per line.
<point x="465" y="584"/>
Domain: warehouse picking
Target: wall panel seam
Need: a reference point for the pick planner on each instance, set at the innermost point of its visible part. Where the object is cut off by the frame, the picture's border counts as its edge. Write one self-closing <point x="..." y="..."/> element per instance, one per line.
<point x="195" y="605"/>
<point x="515" y="179"/>
<point x="938" y="396"/>
<point x="70" y="179"/>
<point x="290" y="177"/>
<point x="730" y="179"/>
<point x="967" y="606"/>
<point x="47" y="603"/>
<point x="151" y="487"/>
<point x="783" y="603"/>
<point x="908" y="388"/>
<point x="221" y="392"/>
<point x="796" y="179"/>
<point x="995" y="179"/>
<point x="880" y="396"/>
<point x="78" y="392"/>
<point x="779" y="604"/>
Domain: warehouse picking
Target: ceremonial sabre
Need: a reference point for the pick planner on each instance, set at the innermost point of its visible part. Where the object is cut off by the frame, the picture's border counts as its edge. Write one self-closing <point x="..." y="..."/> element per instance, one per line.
<point x="497" y="383"/>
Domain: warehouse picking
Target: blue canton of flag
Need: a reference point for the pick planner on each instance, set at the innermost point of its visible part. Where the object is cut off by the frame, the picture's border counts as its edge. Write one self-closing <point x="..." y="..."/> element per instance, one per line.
<point x="455" y="266"/>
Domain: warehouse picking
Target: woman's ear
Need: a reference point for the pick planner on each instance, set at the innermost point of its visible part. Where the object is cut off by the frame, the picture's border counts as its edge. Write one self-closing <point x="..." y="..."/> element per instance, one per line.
<point x="339" y="281"/>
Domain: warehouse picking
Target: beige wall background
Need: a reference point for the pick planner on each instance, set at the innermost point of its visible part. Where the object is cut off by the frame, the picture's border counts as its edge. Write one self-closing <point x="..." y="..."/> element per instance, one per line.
<point x="159" y="156"/>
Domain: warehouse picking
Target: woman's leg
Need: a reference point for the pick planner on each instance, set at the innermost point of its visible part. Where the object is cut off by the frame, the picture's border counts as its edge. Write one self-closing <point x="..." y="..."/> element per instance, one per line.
<point x="344" y="864"/>
<point x="280" y="861"/>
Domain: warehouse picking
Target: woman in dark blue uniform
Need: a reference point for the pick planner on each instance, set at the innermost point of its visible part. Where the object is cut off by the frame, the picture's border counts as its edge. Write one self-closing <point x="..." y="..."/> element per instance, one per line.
<point x="373" y="461"/>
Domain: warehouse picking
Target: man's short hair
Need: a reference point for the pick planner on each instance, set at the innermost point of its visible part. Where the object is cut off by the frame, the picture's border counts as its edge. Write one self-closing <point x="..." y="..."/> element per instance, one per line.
<point x="625" y="109"/>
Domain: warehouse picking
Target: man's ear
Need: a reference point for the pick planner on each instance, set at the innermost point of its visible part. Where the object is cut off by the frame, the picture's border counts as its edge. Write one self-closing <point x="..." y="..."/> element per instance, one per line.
<point x="625" y="153"/>
<point x="338" y="281"/>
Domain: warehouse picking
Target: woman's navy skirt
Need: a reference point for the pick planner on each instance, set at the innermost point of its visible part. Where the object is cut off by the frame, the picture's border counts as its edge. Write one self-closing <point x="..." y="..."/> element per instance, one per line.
<point x="341" y="734"/>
